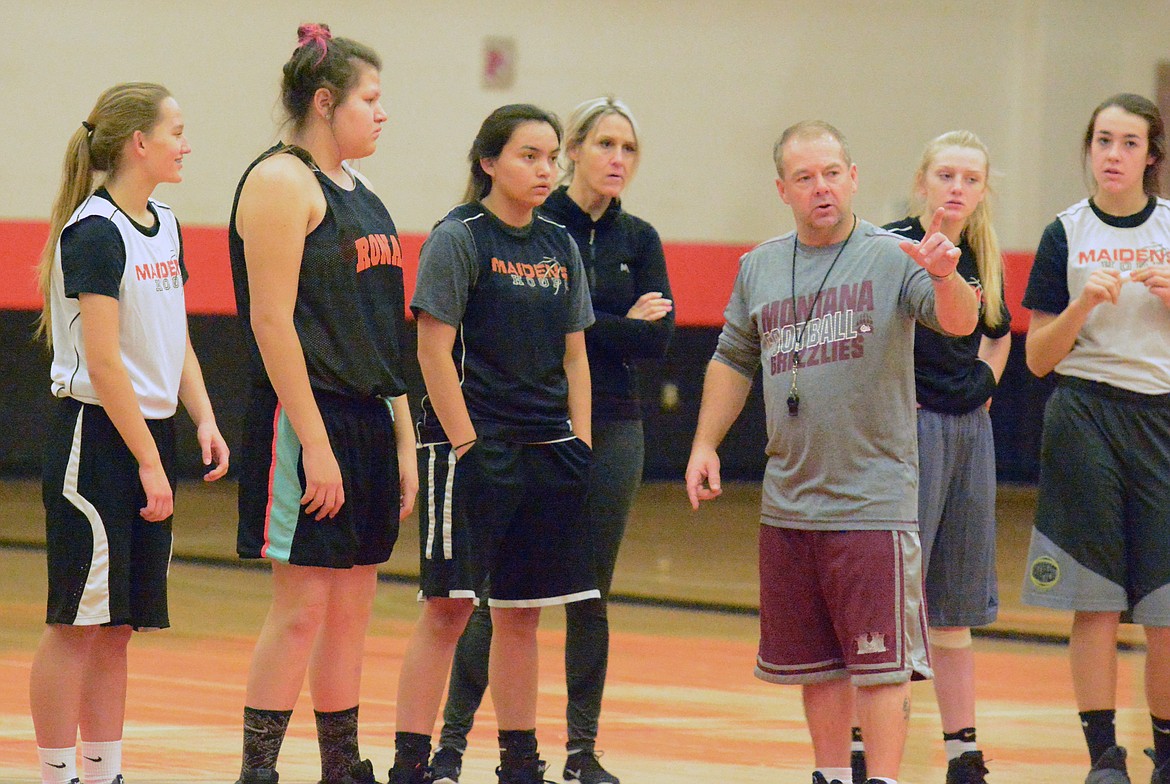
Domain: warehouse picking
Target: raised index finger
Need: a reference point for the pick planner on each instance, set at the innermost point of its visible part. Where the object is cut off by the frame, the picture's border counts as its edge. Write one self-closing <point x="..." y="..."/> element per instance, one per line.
<point x="935" y="223"/>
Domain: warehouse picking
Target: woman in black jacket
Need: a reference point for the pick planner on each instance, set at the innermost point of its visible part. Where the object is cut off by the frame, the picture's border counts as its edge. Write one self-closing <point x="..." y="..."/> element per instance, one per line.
<point x="632" y="303"/>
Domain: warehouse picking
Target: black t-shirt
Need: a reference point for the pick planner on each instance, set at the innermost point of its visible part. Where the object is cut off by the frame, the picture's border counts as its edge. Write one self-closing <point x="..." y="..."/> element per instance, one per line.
<point x="350" y="311"/>
<point x="949" y="377"/>
<point x="513" y="294"/>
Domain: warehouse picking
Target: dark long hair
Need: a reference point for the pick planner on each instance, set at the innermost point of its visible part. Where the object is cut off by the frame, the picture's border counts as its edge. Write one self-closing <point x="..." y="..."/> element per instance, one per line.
<point x="1148" y="111"/>
<point x="493" y="136"/>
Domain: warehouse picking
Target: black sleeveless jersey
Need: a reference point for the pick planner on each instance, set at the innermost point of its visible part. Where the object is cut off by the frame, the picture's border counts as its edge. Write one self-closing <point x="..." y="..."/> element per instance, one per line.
<point x="512" y="294"/>
<point x="350" y="307"/>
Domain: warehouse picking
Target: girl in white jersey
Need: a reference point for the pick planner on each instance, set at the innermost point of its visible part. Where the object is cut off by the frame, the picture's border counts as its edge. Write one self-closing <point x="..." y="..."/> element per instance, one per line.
<point x="112" y="276"/>
<point x="1100" y="295"/>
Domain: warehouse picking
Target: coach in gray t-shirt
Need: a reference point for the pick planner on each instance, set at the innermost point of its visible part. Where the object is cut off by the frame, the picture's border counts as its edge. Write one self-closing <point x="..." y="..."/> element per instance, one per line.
<point x="829" y="313"/>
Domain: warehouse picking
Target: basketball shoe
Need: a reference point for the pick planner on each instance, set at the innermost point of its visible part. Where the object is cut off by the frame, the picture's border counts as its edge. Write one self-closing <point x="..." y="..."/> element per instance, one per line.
<point x="582" y="767"/>
<point x="446" y="766"/>
<point x="967" y="768"/>
<point x="531" y="773"/>
<point x="419" y="774"/>
<point x="361" y="773"/>
<point x="1109" y="768"/>
<point x="1161" y="774"/>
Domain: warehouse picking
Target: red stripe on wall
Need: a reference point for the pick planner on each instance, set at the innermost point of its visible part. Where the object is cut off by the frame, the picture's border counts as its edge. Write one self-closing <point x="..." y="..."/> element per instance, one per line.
<point x="1016" y="267"/>
<point x="701" y="278"/>
<point x="701" y="274"/>
<point x="22" y="243"/>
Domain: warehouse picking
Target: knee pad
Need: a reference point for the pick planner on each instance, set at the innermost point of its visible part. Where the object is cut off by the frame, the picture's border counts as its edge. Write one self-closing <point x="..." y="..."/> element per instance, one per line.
<point x="949" y="638"/>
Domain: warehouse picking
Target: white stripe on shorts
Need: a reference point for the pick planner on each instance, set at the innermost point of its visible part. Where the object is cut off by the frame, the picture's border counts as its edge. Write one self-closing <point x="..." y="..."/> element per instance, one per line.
<point x="448" y="546"/>
<point x="94" y="606"/>
<point x="435" y="513"/>
<point x="549" y="601"/>
<point x="430" y="500"/>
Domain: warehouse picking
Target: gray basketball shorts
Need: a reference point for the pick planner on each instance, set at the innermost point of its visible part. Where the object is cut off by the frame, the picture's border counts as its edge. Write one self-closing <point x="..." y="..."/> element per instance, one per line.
<point x="1101" y="540"/>
<point x="956" y="517"/>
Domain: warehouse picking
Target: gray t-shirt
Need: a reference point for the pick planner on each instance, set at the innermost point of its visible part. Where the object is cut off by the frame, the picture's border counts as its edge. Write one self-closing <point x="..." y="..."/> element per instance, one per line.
<point x="849" y="459"/>
<point x="513" y="294"/>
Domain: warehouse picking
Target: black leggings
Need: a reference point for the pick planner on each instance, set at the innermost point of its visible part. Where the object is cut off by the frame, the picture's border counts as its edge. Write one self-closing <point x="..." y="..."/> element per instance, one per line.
<point x="618" y="449"/>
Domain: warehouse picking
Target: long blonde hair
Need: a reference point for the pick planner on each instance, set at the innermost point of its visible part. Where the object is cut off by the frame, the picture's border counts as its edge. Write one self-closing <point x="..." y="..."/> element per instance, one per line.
<point x="95" y="147"/>
<point x="979" y="230"/>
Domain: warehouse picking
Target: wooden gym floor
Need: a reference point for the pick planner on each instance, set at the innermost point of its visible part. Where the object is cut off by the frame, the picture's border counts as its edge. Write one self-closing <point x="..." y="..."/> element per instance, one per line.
<point x="681" y="704"/>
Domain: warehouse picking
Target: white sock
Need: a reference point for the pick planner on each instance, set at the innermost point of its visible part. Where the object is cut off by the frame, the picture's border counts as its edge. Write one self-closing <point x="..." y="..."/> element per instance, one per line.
<point x="956" y="748"/>
<point x="58" y="766"/>
<point x="843" y="775"/>
<point x="883" y="781"/>
<point x="101" y="762"/>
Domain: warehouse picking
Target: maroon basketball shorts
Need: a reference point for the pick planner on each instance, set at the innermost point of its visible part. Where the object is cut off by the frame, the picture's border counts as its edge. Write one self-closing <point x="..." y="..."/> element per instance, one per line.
<point x="836" y="604"/>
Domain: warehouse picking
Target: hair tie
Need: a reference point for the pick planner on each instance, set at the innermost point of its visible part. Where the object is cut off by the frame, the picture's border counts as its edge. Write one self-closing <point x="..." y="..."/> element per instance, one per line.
<point x="89" y="128"/>
<point x="318" y="33"/>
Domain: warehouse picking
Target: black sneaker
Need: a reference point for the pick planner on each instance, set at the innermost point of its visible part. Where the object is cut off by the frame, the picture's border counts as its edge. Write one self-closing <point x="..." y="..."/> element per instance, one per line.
<point x="446" y="766"/>
<point x="260" y="776"/>
<point x="419" y="774"/>
<point x="582" y="767"/>
<point x="530" y="774"/>
<point x="1161" y="774"/>
<point x="1109" y="768"/>
<point x="819" y="778"/>
<point x="361" y="773"/>
<point x="857" y="763"/>
<point x="967" y="768"/>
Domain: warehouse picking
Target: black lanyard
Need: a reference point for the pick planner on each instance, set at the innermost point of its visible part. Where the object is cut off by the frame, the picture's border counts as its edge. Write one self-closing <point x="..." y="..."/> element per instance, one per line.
<point x="793" y="392"/>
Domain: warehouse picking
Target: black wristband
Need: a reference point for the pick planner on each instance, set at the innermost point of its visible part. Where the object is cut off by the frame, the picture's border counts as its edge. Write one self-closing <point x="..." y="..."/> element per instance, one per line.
<point x="465" y="443"/>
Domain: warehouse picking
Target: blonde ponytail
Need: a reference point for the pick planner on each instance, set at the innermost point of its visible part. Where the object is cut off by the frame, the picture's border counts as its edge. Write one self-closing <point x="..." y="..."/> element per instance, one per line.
<point x="95" y="147"/>
<point x="76" y="185"/>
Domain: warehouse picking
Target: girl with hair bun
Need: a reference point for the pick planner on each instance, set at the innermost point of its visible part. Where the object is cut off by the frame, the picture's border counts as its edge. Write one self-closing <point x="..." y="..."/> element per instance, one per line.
<point x="112" y="275"/>
<point x="327" y="438"/>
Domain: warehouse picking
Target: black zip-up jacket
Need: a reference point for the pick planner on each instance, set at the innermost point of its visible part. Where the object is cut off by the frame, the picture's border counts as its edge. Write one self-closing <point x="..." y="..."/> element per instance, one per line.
<point x="623" y="260"/>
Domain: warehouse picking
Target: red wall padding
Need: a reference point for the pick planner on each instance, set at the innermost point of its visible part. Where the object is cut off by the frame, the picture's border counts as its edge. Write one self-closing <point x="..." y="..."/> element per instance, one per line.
<point x="701" y="274"/>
